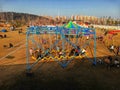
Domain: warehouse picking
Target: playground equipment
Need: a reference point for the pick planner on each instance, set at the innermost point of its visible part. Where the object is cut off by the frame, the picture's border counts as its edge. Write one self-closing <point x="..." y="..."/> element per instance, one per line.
<point x="60" y="44"/>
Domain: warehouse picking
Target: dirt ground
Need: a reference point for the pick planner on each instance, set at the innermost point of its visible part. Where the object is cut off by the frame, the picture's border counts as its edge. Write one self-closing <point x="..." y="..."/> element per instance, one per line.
<point x="79" y="75"/>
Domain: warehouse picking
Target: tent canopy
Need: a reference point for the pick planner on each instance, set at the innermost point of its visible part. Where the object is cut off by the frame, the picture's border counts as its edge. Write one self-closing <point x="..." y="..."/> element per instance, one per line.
<point x="71" y="25"/>
<point x="70" y="28"/>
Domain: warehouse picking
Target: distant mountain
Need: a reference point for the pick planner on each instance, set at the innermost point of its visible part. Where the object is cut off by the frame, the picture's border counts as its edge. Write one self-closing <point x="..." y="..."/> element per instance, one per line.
<point x="14" y="16"/>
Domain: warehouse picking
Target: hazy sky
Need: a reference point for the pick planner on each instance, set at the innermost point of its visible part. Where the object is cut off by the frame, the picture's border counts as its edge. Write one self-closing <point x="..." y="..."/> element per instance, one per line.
<point x="63" y="7"/>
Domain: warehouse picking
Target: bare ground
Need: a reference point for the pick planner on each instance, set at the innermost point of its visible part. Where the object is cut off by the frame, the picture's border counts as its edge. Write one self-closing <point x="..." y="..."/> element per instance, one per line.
<point x="79" y="75"/>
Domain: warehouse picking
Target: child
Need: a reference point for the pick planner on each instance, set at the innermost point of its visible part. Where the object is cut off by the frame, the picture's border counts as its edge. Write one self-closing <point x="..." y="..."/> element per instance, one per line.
<point x="83" y="52"/>
<point x="10" y="45"/>
<point x="31" y="51"/>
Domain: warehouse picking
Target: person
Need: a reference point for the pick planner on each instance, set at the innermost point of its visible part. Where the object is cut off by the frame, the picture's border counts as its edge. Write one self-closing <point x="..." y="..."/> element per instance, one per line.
<point x="111" y="48"/>
<point x="19" y="31"/>
<point x="58" y="48"/>
<point x="110" y="58"/>
<point x="1" y="36"/>
<point x="101" y="38"/>
<point x="39" y="54"/>
<point x="10" y="45"/>
<point x="31" y="51"/>
<point x="108" y="62"/>
<point x="43" y="41"/>
<point x="78" y="48"/>
<point x="5" y="36"/>
<point x="47" y="52"/>
<point x="100" y="61"/>
<point x="83" y="51"/>
<point x="87" y="37"/>
<point x="76" y="52"/>
<point x="12" y="28"/>
<point x="72" y="52"/>
<point x="117" y="63"/>
<point x="118" y="50"/>
<point x="60" y="53"/>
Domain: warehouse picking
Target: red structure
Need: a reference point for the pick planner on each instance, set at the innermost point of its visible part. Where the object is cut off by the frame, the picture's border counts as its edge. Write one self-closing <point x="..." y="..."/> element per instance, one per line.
<point x="113" y="32"/>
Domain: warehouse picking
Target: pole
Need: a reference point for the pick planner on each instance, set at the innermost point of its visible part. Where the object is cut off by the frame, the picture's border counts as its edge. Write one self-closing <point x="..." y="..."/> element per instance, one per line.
<point x="27" y="53"/>
<point x="94" y="62"/>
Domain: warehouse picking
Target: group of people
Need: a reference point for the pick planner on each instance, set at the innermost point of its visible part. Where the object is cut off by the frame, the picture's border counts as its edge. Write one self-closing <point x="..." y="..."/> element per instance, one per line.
<point x="114" y="49"/>
<point x="9" y="46"/>
<point x="3" y="36"/>
<point x="110" y="62"/>
<point x="35" y="53"/>
<point x="77" y="51"/>
<point x="39" y="53"/>
<point x="58" y="52"/>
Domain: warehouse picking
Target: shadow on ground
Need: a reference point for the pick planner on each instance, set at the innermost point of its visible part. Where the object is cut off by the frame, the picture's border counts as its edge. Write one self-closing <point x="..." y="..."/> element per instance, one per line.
<point x="78" y="75"/>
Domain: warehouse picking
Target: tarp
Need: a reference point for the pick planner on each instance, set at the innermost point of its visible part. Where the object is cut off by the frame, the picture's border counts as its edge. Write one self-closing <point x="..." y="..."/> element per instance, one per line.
<point x="113" y="32"/>
<point x="3" y="30"/>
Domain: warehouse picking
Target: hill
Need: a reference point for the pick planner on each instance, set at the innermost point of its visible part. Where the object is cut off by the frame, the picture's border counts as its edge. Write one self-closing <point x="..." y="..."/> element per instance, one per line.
<point x="23" y="18"/>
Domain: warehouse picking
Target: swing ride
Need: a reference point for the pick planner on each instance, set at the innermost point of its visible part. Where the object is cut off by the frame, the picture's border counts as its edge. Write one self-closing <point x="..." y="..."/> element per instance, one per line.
<point x="61" y="44"/>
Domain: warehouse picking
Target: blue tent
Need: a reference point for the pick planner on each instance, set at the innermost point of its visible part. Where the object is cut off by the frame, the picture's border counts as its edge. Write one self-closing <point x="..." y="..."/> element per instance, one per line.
<point x="3" y="30"/>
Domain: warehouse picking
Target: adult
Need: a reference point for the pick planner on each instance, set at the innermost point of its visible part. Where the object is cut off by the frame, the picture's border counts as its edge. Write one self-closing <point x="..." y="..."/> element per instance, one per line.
<point x="1" y="36"/>
<point x="72" y="52"/>
<point x="110" y="58"/>
<point x="60" y="53"/>
<point x="12" y="28"/>
<point x="117" y="63"/>
<point x="5" y="35"/>
<point x="118" y="50"/>
<point x="108" y="62"/>
<point x="10" y="45"/>
<point x="19" y="31"/>
<point x="39" y="54"/>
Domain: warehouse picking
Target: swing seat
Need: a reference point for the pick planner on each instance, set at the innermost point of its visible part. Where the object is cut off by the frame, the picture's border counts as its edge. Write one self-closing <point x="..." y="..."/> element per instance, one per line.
<point x="71" y="56"/>
<point x="50" y="57"/>
<point x="53" y="51"/>
<point x="67" y="51"/>
<point x="61" y="57"/>
<point x="42" y="59"/>
<point x="45" y="58"/>
<point x="77" y="57"/>
<point x="34" y="58"/>
<point x="67" y="57"/>
<point x="56" y="57"/>
<point x="80" y="56"/>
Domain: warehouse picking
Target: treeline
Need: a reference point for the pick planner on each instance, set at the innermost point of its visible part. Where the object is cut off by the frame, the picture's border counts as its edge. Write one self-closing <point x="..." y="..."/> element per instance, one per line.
<point x="22" y="18"/>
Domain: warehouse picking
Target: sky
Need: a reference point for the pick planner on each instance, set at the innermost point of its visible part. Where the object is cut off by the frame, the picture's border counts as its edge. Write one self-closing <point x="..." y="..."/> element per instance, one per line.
<point x="63" y="7"/>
